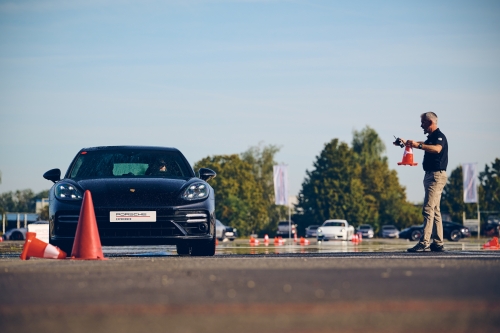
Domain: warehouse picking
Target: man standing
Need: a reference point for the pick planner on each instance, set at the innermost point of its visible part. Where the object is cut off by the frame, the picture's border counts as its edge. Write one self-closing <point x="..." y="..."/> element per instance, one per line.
<point x="435" y="164"/>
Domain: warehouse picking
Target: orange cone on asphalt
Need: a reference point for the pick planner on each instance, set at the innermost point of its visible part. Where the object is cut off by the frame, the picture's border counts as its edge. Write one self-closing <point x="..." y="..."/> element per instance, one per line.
<point x="295" y="238"/>
<point x="254" y="241"/>
<point x="354" y="238"/>
<point x="407" y="157"/>
<point x="33" y="247"/>
<point x="87" y="243"/>
<point x="492" y="244"/>
<point x="304" y="241"/>
<point x="266" y="239"/>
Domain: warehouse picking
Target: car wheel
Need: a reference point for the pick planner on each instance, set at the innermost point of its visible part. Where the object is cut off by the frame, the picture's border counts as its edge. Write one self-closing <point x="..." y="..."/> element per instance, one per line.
<point x="415" y="235"/>
<point x="204" y="249"/>
<point x="16" y="236"/>
<point x="182" y="249"/>
<point x="455" y="235"/>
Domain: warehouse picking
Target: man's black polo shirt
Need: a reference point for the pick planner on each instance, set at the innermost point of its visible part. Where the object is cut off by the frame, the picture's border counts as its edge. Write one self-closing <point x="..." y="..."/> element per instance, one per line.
<point x="436" y="162"/>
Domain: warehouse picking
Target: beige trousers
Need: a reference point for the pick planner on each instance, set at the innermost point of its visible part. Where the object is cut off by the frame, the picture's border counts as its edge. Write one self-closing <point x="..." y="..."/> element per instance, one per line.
<point x="434" y="182"/>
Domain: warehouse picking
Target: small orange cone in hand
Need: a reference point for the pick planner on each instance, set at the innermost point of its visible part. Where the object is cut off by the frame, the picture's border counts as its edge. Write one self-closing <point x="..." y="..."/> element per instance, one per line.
<point x="407" y="157"/>
<point x="87" y="243"/>
<point x="33" y="247"/>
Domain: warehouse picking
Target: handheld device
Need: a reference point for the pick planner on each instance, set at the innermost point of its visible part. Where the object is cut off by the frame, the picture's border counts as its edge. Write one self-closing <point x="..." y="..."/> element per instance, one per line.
<point x="398" y="142"/>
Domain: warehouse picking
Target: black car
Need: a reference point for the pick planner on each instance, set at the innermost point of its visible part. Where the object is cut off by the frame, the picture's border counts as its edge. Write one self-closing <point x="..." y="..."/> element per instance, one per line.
<point x="141" y="196"/>
<point x="451" y="230"/>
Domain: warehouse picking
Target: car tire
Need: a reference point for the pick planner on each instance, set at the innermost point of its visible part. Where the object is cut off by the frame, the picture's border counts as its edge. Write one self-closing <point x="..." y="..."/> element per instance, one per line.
<point x="455" y="235"/>
<point x="415" y="235"/>
<point x="16" y="235"/>
<point x="183" y="249"/>
<point x="204" y="249"/>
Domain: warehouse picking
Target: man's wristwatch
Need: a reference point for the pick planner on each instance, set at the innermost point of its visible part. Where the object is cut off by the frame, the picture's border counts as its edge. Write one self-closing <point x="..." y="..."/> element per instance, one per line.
<point x="419" y="146"/>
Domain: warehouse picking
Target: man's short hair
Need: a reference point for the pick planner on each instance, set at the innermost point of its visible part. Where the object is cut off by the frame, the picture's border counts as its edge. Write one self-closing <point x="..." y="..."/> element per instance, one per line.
<point x="430" y="116"/>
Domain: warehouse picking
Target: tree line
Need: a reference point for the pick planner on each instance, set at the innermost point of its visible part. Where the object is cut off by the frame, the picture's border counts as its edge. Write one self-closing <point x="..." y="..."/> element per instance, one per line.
<point x="352" y="182"/>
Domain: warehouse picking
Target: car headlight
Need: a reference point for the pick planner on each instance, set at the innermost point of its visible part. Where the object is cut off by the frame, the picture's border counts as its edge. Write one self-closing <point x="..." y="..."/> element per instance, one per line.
<point x="319" y="230"/>
<point x="463" y="230"/>
<point x="342" y="230"/>
<point x="66" y="191"/>
<point x="196" y="191"/>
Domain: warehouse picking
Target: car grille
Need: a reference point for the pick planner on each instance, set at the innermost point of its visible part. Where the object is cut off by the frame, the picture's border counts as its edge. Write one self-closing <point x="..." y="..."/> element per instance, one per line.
<point x="167" y="225"/>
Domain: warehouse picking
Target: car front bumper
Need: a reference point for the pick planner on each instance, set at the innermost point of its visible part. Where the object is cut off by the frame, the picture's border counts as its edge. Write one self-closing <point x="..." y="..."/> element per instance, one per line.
<point x="172" y="226"/>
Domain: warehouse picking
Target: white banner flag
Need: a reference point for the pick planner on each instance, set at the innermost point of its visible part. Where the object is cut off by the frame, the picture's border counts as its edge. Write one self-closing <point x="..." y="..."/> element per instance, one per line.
<point x="470" y="182"/>
<point x="281" y="184"/>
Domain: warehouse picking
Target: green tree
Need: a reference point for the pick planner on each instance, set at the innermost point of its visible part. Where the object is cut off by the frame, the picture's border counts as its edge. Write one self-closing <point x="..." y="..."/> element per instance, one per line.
<point x="452" y="200"/>
<point x="21" y="200"/>
<point x="490" y="183"/>
<point x="239" y="199"/>
<point x="333" y="189"/>
<point x="262" y="160"/>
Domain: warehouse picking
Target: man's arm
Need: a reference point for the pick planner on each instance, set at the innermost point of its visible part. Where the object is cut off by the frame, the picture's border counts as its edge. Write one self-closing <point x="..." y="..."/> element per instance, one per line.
<point x="433" y="149"/>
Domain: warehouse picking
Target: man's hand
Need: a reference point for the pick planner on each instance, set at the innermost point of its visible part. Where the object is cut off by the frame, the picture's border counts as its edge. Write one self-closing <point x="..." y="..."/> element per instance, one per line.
<point x="411" y="143"/>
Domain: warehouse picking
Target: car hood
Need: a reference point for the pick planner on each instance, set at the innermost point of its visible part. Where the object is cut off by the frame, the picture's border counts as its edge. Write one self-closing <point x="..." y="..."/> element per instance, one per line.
<point x="128" y="192"/>
<point x="332" y="228"/>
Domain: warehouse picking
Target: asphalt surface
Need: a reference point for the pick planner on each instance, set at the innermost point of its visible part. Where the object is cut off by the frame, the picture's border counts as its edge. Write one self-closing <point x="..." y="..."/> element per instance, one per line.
<point x="312" y="289"/>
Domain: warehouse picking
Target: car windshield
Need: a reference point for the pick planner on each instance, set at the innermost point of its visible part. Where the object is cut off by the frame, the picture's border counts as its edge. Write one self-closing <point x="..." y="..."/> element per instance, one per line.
<point x="334" y="224"/>
<point x="364" y="227"/>
<point x="130" y="163"/>
<point x="388" y="227"/>
<point x="313" y="227"/>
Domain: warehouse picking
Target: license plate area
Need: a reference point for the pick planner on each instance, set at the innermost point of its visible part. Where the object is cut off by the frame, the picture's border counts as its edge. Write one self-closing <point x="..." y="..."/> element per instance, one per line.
<point x="132" y="216"/>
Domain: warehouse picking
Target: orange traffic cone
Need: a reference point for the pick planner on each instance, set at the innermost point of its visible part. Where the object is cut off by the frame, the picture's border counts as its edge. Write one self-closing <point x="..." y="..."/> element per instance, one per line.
<point x="304" y="241"/>
<point x="492" y="244"/>
<point x="407" y="157"/>
<point x="266" y="238"/>
<point x="295" y="237"/>
<point x="354" y="238"/>
<point x="360" y="237"/>
<point x="254" y="241"/>
<point x="87" y="243"/>
<point x="33" y="247"/>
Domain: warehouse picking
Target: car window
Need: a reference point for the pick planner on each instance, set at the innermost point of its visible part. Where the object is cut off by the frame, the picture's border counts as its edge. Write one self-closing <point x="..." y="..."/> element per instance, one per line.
<point x="334" y="224"/>
<point x="129" y="163"/>
<point x="219" y="223"/>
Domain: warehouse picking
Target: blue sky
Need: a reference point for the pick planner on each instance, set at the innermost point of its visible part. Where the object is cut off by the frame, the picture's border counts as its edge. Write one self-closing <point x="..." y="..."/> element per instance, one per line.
<point x="216" y="77"/>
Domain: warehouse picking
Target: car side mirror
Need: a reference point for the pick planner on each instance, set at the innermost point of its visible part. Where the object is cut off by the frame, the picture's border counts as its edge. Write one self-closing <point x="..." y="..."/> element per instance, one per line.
<point x="207" y="174"/>
<point x="54" y="175"/>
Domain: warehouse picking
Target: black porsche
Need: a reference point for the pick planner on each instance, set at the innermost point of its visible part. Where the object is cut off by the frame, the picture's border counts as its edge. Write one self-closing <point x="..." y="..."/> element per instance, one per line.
<point x="141" y="195"/>
<point x="451" y="230"/>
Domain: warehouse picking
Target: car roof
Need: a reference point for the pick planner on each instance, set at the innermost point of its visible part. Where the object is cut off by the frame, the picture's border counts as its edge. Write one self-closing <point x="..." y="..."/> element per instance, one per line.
<point x="335" y="220"/>
<point x="129" y="147"/>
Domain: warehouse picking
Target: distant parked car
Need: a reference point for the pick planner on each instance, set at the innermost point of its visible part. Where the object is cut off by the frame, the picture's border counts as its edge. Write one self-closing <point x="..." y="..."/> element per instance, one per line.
<point x="220" y="230"/>
<point x="492" y="229"/>
<point x="335" y="229"/>
<point x="451" y="230"/>
<point x="389" y="231"/>
<point x="284" y="229"/>
<point x="223" y="231"/>
<point x="15" y="234"/>
<point x="231" y="233"/>
<point x="312" y="231"/>
<point x="366" y="231"/>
